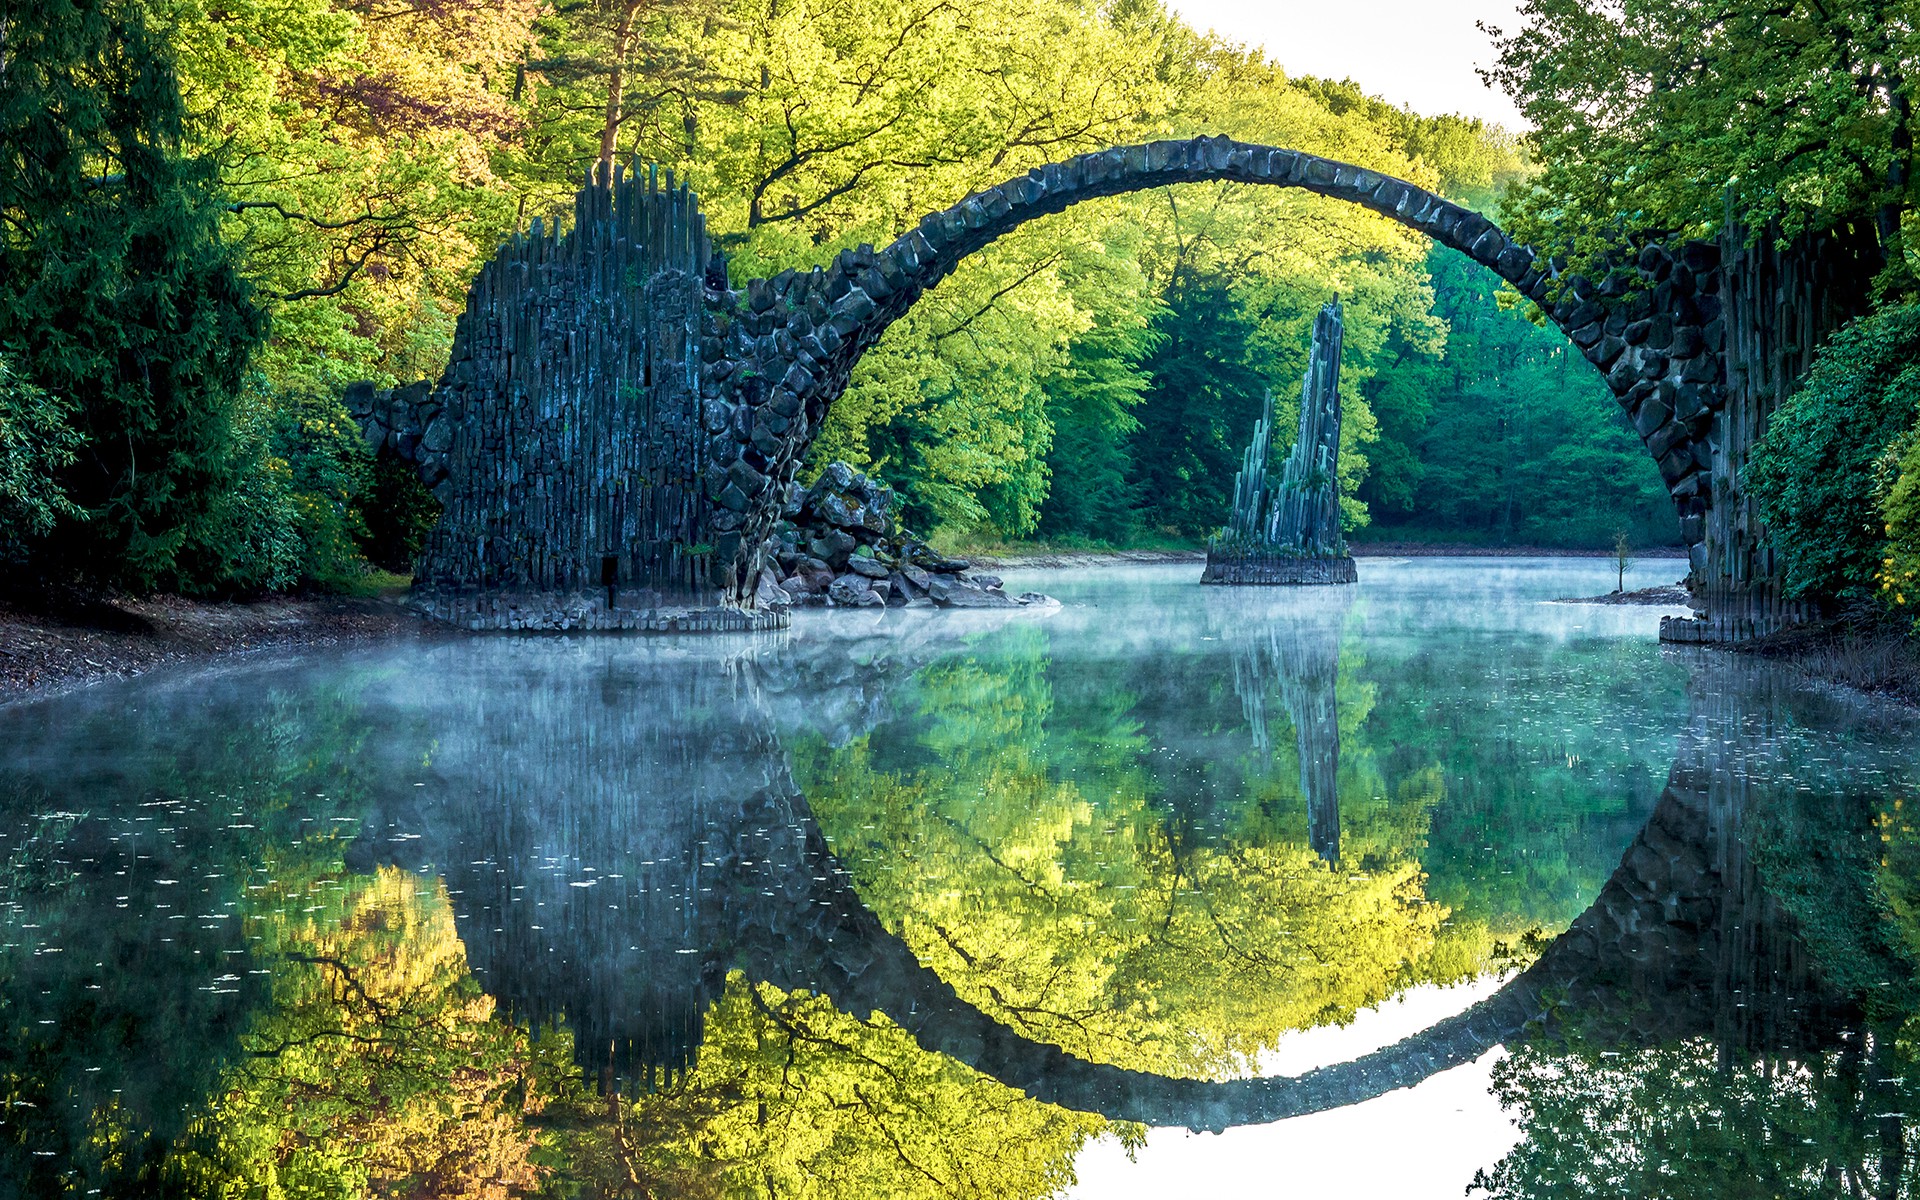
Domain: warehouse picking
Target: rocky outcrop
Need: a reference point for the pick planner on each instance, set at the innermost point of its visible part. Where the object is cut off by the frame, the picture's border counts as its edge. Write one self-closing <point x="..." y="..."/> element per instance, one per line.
<point x="1290" y="534"/>
<point x="840" y="544"/>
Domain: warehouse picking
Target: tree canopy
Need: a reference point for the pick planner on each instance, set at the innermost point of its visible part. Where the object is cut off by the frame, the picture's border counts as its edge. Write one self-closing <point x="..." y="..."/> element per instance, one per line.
<point x="326" y="176"/>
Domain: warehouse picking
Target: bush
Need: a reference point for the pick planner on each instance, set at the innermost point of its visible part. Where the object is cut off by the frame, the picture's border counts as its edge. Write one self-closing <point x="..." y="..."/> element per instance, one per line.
<point x="1900" y="569"/>
<point x="290" y="515"/>
<point x="1819" y="470"/>
<point x="35" y="443"/>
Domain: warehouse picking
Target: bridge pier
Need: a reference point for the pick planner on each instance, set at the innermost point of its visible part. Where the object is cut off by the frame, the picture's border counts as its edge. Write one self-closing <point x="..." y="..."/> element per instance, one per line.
<point x="1780" y="304"/>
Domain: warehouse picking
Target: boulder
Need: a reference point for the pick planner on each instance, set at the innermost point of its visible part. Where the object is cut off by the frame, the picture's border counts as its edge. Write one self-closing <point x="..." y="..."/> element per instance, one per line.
<point x="854" y="591"/>
<point x="962" y="593"/>
<point x="831" y="546"/>
<point x="841" y="542"/>
<point x="769" y="595"/>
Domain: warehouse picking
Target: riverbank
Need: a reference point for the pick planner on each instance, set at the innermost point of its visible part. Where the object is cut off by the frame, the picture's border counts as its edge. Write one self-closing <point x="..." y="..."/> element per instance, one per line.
<point x="1878" y="662"/>
<point x="47" y="649"/>
<point x="1014" y="558"/>
<point x="1468" y="550"/>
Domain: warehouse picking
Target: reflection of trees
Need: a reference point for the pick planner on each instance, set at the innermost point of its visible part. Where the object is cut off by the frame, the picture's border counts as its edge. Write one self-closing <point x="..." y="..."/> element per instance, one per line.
<point x="1781" y="1063"/>
<point x="129" y="975"/>
<point x="793" y="1097"/>
<point x="1035" y="866"/>
<point x="622" y="847"/>
<point x="377" y="1065"/>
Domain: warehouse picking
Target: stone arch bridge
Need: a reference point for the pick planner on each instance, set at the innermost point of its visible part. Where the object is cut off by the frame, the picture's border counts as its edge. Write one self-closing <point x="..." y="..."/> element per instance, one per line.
<point x="616" y="432"/>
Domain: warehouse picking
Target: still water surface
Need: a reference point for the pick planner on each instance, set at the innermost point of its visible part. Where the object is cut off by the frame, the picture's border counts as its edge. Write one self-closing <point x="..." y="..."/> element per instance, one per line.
<point x="1395" y="890"/>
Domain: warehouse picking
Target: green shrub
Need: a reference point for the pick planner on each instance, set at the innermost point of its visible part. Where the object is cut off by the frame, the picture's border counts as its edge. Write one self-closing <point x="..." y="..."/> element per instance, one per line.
<point x="1817" y="471"/>
<point x="289" y="516"/>
<point x="35" y="443"/>
<point x="1900" y="569"/>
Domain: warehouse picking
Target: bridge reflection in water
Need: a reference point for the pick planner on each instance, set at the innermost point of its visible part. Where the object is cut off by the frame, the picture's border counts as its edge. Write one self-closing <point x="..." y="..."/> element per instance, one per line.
<point x="914" y="906"/>
<point x="613" y="869"/>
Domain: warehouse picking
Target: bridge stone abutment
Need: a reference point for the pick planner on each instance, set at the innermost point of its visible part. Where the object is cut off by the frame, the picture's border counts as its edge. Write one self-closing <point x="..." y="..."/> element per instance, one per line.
<point x="618" y="429"/>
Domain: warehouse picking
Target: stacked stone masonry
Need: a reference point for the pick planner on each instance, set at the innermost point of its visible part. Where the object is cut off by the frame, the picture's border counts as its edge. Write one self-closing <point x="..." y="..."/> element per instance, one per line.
<point x="614" y="408"/>
<point x="1254" y="567"/>
<point x="840" y="544"/>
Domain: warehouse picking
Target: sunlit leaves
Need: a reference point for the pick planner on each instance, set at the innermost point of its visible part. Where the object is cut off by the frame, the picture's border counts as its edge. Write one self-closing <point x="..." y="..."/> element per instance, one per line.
<point x="1650" y="114"/>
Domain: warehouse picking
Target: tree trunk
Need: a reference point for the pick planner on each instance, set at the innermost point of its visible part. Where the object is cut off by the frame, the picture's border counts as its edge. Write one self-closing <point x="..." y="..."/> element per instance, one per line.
<point x="616" y="82"/>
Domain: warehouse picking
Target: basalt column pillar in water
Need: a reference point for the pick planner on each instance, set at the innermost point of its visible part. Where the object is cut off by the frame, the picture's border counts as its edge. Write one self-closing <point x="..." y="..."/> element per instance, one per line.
<point x="1290" y="534"/>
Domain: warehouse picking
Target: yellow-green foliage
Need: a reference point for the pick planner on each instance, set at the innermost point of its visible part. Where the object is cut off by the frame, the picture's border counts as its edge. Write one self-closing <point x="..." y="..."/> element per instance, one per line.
<point x="1047" y="884"/>
<point x="378" y="1068"/>
<point x="1900" y="570"/>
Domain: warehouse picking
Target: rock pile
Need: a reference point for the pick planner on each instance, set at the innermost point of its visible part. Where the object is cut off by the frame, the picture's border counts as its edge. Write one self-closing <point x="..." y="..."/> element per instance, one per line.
<point x="840" y="543"/>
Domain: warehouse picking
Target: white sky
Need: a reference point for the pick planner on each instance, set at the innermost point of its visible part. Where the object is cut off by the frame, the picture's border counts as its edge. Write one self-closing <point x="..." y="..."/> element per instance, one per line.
<point x="1418" y="1143"/>
<point x="1409" y="52"/>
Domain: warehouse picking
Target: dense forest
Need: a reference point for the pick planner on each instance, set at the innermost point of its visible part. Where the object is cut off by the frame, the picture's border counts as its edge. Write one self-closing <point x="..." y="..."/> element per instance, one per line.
<point x="219" y="215"/>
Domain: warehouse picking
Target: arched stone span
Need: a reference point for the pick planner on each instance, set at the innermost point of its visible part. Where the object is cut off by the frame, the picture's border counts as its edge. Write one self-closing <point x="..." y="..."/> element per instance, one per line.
<point x="614" y="435"/>
<point x="780" y="353"/>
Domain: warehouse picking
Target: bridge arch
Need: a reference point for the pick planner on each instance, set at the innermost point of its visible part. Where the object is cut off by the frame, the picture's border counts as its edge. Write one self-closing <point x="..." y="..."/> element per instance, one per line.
<point x="783" y="350"/>
<point x="616" y="428"/>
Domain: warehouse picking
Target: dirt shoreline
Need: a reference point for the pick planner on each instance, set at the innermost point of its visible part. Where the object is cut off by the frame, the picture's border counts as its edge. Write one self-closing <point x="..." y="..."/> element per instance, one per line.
<point x="1666" y="595"/>
<point x="47" y="653"/>
<point x="1877" y="663"/>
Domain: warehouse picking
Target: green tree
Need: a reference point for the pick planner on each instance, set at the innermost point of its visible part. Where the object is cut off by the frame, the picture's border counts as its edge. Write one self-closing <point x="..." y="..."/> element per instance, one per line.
<point x="1900" y="570"/>
<point x="35" y="443"/>
<point x="120" y="295"/>
<point x="1821" y="470"/>
<point x="1649" y="113"/>
<point x="1506" y="435"/>
<point x="1205" y="393"/>
<point x="1092" y="405"/>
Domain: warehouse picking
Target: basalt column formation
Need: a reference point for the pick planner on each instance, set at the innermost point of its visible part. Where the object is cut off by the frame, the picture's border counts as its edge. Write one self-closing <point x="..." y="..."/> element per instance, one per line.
<point x="565" y="440"/>
<point x="1291" y="534"/>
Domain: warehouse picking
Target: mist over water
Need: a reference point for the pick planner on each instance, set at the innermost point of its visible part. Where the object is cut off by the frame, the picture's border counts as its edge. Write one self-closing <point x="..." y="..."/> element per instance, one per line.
<point x="926" y="902"/>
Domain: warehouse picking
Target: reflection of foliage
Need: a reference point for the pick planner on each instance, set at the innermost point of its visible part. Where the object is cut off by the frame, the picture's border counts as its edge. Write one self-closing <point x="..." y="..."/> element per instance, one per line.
<point x="793" y="1098"/>
<point x="1088" y="926"/>
<point x="377" y="1068"/>
<point x="1734" y="1114"/>
<point x="1099" y="853"/>
<point x="1682" y="1122"/>
<point x="1046" y="874"/>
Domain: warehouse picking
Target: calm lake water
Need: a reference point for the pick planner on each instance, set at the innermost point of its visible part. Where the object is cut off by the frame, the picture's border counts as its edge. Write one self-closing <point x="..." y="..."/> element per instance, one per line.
<point x="1395" y="890"/>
